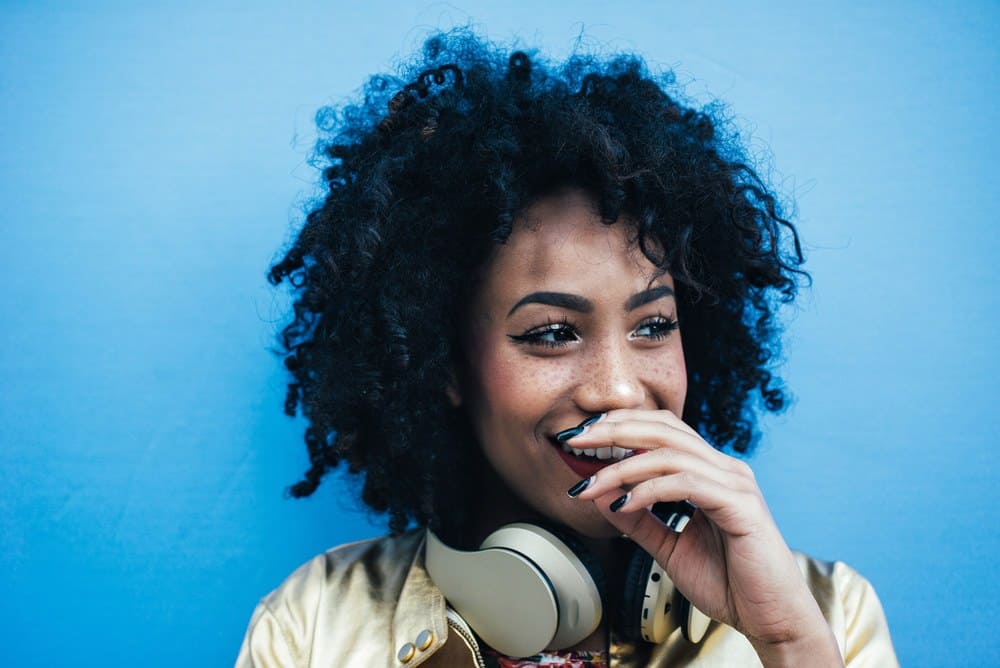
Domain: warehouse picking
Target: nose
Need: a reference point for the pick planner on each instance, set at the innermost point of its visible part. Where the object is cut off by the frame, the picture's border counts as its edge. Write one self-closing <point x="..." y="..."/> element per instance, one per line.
<point x="609" y="378"/>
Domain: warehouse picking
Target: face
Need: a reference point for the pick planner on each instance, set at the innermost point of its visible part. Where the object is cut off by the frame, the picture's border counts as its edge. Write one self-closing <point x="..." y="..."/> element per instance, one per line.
<point x="566" y="324"/>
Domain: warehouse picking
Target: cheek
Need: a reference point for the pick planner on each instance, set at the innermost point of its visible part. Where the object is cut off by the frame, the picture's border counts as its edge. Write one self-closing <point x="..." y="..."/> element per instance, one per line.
<point x="493" y="384"/>
<point x="513" y="392"/>
<point x="669" y="372"/>
<point x="512" y="384"/>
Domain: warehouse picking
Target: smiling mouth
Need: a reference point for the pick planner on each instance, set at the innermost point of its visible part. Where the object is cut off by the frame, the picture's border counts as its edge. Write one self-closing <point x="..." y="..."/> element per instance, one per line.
<point x="595" y="454"/>
<point x="587" y="462"/>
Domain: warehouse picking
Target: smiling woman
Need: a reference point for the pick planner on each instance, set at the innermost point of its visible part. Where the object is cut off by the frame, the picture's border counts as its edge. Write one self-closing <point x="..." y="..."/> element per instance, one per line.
<point x="534" y="309"/>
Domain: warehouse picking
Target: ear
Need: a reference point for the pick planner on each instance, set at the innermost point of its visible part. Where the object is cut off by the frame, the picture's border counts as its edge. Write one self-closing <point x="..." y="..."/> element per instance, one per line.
<point x="451" y="388"/>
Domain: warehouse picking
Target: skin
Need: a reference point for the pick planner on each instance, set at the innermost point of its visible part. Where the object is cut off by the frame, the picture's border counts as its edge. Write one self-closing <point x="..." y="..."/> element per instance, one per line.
<point x="567" y="364"/>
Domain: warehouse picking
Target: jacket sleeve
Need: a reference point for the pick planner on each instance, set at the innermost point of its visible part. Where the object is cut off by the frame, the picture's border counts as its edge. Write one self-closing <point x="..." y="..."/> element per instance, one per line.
<point x="867" y="640"/>
<point x="266" y="644"/>
<point x="283" y="624"/>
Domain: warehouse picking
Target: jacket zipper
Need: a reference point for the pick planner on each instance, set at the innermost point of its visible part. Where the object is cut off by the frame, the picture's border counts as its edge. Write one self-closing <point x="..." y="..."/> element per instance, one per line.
<point x="457" y="623"/>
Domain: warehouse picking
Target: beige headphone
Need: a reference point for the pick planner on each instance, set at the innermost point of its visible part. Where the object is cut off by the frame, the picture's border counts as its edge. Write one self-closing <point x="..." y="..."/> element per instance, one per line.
<point x="529" y="588"/>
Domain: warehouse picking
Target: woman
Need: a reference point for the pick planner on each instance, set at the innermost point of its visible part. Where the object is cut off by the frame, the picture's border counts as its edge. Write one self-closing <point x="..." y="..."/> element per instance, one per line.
<point x="547" y="296"/>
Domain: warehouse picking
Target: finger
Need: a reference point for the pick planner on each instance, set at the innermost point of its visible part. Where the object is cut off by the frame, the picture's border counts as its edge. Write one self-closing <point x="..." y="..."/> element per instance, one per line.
<point x="668" y="417"/>
<point x="648" y="435"/>
<point x="735" y="512"/>
<point x="641" y="526"/>
<point x="653" y="464"/>
<point x="665" y="416"/>
<point x="637" y="435"/>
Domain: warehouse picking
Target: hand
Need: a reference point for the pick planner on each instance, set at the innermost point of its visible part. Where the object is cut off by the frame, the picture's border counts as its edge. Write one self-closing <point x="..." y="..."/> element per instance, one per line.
<point x="731" y="561"/>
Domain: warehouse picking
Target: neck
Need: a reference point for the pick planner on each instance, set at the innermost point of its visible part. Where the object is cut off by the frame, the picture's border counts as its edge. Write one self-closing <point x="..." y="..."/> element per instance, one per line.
<point x="611" y="553"/>
<point x="505" y="508"/>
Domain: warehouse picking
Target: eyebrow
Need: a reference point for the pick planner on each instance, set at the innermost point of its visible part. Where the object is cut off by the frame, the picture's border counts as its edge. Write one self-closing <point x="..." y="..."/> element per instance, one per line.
<point x="646" y="296"/>
<point x="584" y="305"/>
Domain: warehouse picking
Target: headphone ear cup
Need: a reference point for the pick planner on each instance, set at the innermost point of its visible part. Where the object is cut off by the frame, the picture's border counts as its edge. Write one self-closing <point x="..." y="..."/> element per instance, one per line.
<point x="510" y="581"/>
<point x="649" y="600"/>
<point x="651" y="607"/>
<point x="633" y="593"/>
<point x="572" y="573"/>
<point x="694" y="623"/>
<point x="586" y="557"/>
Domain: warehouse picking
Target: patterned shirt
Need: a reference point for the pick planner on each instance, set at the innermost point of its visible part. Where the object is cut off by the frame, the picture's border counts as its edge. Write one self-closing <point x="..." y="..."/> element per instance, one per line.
<point x="494" y="659"/>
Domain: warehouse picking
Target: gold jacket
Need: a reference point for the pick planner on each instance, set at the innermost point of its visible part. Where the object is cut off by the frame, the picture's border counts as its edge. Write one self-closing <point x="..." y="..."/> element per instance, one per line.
<point x="372" y="604"/>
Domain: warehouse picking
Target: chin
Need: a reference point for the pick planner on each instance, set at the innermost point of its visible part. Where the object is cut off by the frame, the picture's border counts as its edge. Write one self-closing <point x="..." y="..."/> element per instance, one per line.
<point x="590" y="525"/>
<point x="604" y="532"/>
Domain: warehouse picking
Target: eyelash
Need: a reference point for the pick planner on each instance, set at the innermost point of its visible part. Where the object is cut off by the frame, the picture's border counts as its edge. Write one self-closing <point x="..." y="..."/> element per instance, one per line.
<point x="534" y="336"/>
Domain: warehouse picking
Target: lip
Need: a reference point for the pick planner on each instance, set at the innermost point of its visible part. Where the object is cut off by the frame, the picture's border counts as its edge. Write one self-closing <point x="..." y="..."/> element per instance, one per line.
<point x="582" y="467"/>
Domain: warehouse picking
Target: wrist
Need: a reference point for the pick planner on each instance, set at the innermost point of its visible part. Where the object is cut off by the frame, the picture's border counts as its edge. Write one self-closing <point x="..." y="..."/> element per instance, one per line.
<point x="816" y="649"/>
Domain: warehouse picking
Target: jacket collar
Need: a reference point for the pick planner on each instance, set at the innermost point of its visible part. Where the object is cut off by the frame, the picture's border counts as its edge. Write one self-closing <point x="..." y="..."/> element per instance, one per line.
<point x="420" y="608"/>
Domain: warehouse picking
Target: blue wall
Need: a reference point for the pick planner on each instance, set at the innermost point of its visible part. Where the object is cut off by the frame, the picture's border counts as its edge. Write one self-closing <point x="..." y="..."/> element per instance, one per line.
<point x="153" y="161"/>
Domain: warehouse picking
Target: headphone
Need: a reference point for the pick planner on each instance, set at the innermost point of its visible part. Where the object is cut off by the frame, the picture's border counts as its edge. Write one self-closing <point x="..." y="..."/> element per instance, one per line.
<point x="529" y="588"/>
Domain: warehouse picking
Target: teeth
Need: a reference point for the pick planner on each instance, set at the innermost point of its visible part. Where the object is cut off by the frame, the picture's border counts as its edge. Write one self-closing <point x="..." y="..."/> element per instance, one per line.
<point x="600" y="453"/>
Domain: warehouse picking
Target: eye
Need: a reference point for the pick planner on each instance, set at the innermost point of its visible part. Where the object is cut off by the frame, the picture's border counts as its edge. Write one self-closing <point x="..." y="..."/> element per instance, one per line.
<point x="658" y="327"/>
<point x="550" y="335"/>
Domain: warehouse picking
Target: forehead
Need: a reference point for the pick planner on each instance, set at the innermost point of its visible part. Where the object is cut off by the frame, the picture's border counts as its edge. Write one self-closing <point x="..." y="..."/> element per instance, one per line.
<point x="561" y="242"/>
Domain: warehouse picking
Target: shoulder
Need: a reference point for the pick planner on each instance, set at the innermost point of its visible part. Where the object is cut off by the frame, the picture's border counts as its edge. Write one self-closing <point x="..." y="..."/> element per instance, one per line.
<point x="376" y="561"/>
<point x="345" y="588"/>
<point x="836" y="586"/>
<point x="853" y="610"/>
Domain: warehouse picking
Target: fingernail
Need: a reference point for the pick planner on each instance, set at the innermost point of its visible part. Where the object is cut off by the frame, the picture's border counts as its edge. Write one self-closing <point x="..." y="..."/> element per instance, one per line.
<point x="677" y="521"/>
<point x="580" y="486"/>
<point x="567" y="434"/>
<point x="620" y="501"/>
<point x="680" y="514"/>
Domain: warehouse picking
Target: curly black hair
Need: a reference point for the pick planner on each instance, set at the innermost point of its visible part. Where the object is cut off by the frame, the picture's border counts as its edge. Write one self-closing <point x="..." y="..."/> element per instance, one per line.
<point x="426" y="174"/>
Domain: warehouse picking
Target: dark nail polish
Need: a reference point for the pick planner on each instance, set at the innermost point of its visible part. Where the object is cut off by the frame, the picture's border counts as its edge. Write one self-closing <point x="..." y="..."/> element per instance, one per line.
<point x="620" y="501"/>
<point x="567" y="434"/>
<point x="580" y="486"/>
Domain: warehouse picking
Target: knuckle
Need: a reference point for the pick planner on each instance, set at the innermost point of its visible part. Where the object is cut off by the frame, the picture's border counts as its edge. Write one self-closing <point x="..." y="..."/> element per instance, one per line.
<point x="613" y="429"/>
<point x="735" y="466"/>
<point x="661" y="456"/>
<point x="687" y="480"/>
<point x="638" y="494"/>
<point x="656" y="487"/>
<point x="666" y="489"/>
<point x="616" y="477"/>
<point x="743" y="469"/>
<point x="754" y="503"/>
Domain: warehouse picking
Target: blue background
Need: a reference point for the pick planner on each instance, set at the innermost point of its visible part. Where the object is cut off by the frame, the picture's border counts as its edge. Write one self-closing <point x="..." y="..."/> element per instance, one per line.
<point x="154" y="160"/>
